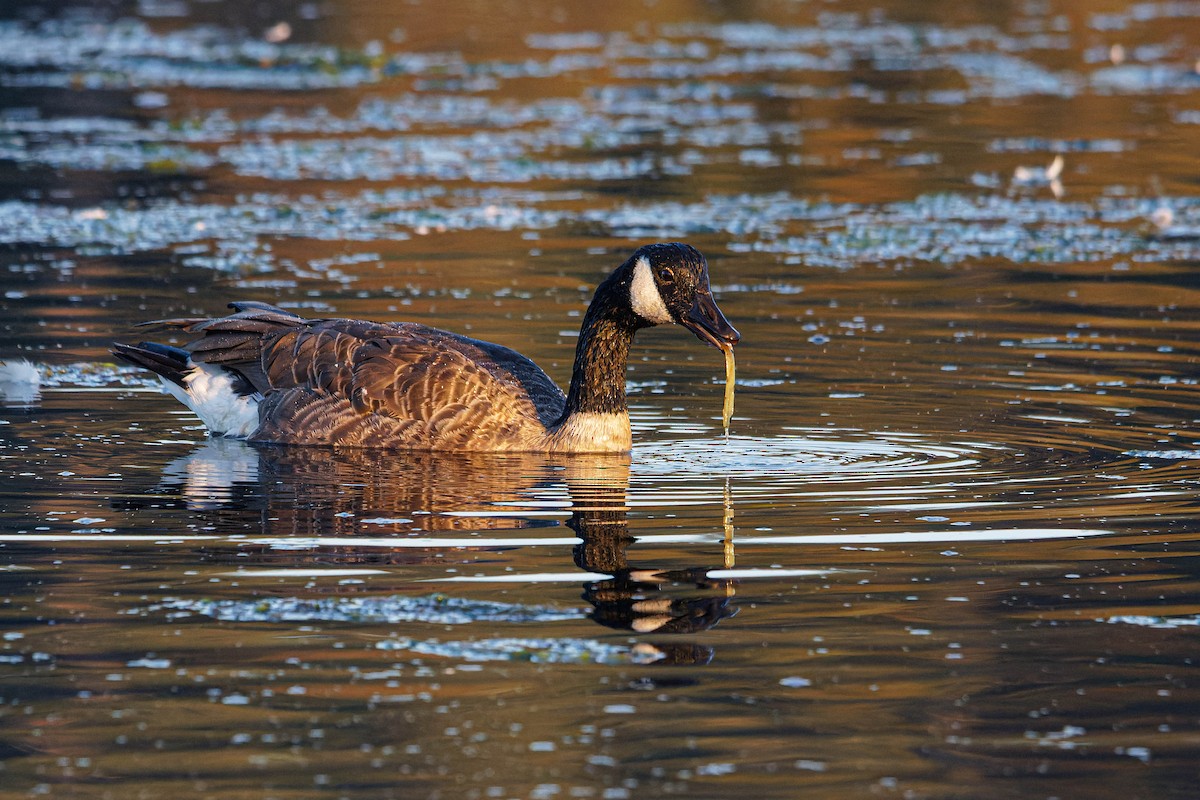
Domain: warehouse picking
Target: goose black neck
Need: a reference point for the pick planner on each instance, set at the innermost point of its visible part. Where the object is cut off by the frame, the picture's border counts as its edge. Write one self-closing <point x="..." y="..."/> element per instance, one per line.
<point x="598" y="379"/>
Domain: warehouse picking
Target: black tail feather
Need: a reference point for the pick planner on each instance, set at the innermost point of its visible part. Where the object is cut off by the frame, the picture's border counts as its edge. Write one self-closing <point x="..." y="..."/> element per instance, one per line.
<point x="169" y="362"/>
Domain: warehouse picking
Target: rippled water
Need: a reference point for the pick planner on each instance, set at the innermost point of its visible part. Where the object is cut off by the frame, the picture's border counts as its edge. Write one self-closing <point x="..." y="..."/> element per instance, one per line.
<point x="949" y="549"/>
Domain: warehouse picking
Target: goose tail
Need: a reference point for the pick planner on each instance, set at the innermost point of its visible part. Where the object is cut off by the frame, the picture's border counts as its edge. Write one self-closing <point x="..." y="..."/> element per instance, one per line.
<point x="169" y="363"/>
<point x="223" y="400"/>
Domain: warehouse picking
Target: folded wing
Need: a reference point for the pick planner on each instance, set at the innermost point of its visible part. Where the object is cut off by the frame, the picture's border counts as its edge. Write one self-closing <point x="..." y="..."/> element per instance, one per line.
<point x="371" y="384"/>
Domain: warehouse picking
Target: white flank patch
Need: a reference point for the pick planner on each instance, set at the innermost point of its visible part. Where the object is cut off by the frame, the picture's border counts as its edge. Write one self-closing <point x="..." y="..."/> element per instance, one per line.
<point x="644" y="297"/>
<point x="211" y="397"/>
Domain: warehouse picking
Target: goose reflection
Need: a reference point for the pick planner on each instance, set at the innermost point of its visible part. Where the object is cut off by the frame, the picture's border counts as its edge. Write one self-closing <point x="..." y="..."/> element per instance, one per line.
<point x="308" y="493"/>
<point x="316" y="491"/>
<point x="636" y="596"/>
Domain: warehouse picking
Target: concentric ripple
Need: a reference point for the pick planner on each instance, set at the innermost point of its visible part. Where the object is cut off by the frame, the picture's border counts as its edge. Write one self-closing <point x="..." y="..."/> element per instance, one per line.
<point x="793" y="464"/>
<point x="942" y="484"/>
<point x="813" y="454"/>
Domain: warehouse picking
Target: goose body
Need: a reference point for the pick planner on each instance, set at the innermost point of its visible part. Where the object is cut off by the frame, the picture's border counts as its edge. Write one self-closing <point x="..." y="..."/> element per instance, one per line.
<point x="268" y="375"/>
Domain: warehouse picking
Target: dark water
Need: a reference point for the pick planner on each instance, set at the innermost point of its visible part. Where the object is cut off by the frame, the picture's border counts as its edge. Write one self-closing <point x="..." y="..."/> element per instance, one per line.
<point x="951" y="549"/>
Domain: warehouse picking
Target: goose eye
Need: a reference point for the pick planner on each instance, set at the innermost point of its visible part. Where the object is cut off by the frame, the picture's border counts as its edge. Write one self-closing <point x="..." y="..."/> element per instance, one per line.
<point x="666" y="275"/>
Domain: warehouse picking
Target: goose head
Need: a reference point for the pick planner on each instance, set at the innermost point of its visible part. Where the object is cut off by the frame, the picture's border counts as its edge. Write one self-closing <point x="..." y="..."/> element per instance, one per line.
<point x="669" y="284"/>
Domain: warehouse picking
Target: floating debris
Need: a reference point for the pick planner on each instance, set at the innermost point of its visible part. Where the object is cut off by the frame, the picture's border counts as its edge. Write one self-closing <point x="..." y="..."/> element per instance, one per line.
<point x="1051" y="176"/>
<point x="1036" y="144"/>
<point x="278" y="33"/>
<point x="1165" y="226"/>
<point x="538" y="651"/>
<point x="93" y="375"/>
<point x="1145" y="78"/>
<point x="1146" y="621"/>
<point x="943" y="228"/>
<point x="437" y="609"/>
<point x="1172" y="455"/>
<point x="128" y="53"/>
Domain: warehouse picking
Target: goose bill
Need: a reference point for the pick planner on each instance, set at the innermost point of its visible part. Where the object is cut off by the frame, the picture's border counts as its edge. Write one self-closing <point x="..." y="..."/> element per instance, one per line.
<point x="708" y="323"/>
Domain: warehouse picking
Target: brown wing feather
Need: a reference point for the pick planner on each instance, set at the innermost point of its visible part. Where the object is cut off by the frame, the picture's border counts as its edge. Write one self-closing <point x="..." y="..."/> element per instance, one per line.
<point x="369" y="384"/>
<point x="301" y="415"/>
<point x="236" y="341"/>
<point x="459" y="403"/>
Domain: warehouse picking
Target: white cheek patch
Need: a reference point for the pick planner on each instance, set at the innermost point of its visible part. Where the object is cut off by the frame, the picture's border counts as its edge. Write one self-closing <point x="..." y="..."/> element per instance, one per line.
<point x="644" y="297"/>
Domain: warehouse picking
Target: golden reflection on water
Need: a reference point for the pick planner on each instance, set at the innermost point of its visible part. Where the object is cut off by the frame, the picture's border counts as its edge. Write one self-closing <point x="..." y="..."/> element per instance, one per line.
<point x="283" y="635"/>
<point x="948" y="549"/>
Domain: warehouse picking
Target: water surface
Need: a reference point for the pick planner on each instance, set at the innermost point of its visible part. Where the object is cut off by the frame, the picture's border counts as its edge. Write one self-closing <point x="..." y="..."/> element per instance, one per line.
<point x="949" y="549"/>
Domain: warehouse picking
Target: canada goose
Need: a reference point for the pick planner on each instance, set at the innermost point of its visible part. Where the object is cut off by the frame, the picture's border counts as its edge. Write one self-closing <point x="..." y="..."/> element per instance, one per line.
<point x="269" y="375"/>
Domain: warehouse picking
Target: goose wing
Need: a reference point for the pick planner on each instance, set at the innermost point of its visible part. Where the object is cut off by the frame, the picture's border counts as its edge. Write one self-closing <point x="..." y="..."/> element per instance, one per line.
<point x="412" y="387"/>
<point x="238" y="341"/>
<point x="375" y="384"/>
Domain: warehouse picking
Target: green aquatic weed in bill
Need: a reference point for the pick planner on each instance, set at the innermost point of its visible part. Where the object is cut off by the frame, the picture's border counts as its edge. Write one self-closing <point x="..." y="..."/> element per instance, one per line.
<point x="730" y="381"/>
